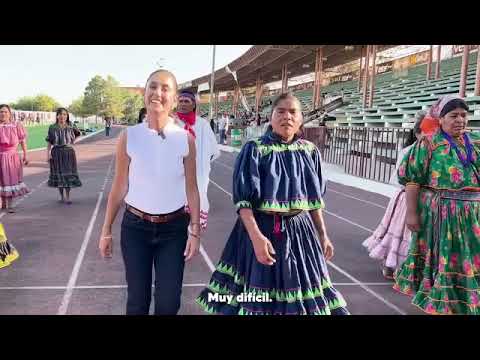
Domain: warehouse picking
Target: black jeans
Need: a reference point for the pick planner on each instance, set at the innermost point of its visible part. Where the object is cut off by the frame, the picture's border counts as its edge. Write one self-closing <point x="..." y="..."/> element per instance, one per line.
<point x="107" y="131"/>
<point x="161" y="246"/>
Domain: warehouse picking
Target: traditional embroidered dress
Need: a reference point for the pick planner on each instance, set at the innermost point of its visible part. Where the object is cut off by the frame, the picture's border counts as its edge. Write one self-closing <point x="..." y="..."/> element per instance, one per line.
<point x="442" y="270"/>
<point x="63" y="163"/>
<point x="11" y="168"/>
<point x="8" y="253"/>
<point x="391" y="239"/>
<point x="280" y="182"/>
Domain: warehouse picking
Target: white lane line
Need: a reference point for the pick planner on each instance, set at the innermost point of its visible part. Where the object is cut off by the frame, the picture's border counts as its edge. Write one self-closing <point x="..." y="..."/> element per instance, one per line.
<point x="99" y="287"/>
<point x="207" y="258"/>
<point x="367" y="289"/>
<point x="364" y="287"/>
<point x="347" y="221"/>
<point x="355" y="198"/>
<point x="221" y="163"/>
<point x="62" y="310"/>
<point x="328" y="190"/>
<point x="367" y="284"/>
<point x="225" y="191"/>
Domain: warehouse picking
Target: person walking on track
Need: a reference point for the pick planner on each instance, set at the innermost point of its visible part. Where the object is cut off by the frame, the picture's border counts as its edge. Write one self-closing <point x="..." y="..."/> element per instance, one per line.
<point x="206" y="147"/>
<point x="11" y="167"/>
<point x="61" y="155"/>
<point x="155" y="176"/>
<point x="441" y="175"/>
<point x="274" y="262"/>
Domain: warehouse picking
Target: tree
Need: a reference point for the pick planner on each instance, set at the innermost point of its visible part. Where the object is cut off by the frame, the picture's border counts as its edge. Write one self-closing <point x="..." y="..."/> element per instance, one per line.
<point x="132" y="105"/>
<point x="44" y="102"/>
<point x="39" y="102"/>
<point x="25" y="103"/>
<point x="113" y="100"/>
<point x="76" y="107"/>
<point x="93" y="96"/>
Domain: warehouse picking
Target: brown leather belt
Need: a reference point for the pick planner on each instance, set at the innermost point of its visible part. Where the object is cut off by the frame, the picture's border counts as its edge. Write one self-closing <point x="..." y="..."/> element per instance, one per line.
<point x="157" y="219"/>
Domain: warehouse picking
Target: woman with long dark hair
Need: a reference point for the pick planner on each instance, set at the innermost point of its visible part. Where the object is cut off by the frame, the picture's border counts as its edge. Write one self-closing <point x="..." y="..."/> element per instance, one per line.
<point x="61" y="155"/>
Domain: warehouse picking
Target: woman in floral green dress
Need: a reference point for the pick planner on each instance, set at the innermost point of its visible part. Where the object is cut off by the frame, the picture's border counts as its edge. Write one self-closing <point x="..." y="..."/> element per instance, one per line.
<point x="441" y="174"/>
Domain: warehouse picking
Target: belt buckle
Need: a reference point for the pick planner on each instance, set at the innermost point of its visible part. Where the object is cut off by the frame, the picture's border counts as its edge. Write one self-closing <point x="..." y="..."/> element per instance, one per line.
<point x="155" y="218"/>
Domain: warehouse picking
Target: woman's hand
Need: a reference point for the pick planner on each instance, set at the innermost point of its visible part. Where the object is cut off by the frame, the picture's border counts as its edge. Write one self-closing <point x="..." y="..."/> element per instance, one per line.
<point x="263" y="248"/>
<point x="193" y="245"/>
<point x="25" y="160"/>
<point x="413" y="221"/>
<point x="105" y="245"/>
<point x="327" y="247"/>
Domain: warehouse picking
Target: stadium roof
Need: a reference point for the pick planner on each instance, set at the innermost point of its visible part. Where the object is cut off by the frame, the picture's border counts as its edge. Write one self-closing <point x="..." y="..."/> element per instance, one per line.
<point x="266" y="61"/>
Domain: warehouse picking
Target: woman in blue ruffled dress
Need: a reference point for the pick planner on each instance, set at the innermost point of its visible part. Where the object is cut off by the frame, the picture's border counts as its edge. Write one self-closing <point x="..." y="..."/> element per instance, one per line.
<point x="274" y="261"/>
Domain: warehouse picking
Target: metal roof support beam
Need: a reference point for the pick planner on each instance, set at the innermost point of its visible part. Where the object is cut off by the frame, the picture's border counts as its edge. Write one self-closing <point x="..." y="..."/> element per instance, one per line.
<point x="429" y="62"/>
<point x="317" y="99"/>
<point x="463" y="76"/>
<point x="372" y="78"/>
<point x="477" y="74"/>
<point x="365" y="77"/>
<point x="360" y="71"/>
<point x="284" y="78"/>
<point x="258" y="94"/>
<point x="439" y="59"/>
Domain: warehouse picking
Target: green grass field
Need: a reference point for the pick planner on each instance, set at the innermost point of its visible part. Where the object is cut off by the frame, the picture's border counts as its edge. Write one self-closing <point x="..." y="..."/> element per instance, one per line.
<point x="36" y="136"/>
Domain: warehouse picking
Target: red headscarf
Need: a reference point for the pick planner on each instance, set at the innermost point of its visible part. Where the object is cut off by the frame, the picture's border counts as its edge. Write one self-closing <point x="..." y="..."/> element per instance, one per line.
<point x="189" y="120"/>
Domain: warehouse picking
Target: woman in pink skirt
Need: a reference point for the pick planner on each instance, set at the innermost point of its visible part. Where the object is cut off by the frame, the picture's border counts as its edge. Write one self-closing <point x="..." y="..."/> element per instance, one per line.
<point x="391" y="240"/>
<point x="11" y="168"/>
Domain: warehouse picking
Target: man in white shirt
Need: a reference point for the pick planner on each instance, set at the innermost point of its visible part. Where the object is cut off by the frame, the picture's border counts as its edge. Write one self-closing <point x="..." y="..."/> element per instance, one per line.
<point x="223" y="128"/>
<point x="206" y="146"/>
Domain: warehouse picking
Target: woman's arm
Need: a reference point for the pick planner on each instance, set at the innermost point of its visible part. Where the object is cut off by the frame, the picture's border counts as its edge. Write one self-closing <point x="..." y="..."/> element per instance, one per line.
<point x="117" y="194"/>
<point x="319" y="222"/>
<point x="261" y="244"/>
<point x="23" y="144"/>
<point x="412" y="219"/>
<point x="193" y="200"/>
<point x="49" y="148"/>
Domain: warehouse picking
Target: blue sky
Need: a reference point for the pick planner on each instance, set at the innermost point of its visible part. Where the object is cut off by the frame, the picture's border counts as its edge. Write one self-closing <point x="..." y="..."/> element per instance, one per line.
<point x="63" y="71"/>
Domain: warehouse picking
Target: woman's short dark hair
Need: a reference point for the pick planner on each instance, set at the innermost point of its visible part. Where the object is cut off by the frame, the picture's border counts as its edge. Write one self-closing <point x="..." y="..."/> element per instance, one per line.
<point x="452" y="105"/>
<point x="58" y="112"/>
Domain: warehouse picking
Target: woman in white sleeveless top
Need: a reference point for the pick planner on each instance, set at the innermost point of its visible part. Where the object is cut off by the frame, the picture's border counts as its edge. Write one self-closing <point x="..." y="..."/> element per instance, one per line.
<point x="155" y="176"/>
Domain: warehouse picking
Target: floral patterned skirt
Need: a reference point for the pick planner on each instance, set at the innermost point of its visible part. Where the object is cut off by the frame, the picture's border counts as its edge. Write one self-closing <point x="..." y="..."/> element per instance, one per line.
<point x="442" y="269"/>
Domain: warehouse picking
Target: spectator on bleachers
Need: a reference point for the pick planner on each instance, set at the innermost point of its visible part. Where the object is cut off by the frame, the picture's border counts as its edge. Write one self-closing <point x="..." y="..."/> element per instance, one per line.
<point x="441" y="175"/>
<point x="279" y="243"/>
<point x="11" y="167"/>
<point x="391" y="240"/>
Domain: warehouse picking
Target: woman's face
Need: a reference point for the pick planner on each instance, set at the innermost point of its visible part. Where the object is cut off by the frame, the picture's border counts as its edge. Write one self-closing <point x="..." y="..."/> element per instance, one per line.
<point x="4" y="114"/>
<point x="287" y="118"/>
<point x="160" y="94"/>
<point x="62" y="117"/>
<point x="454" y="122"/>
